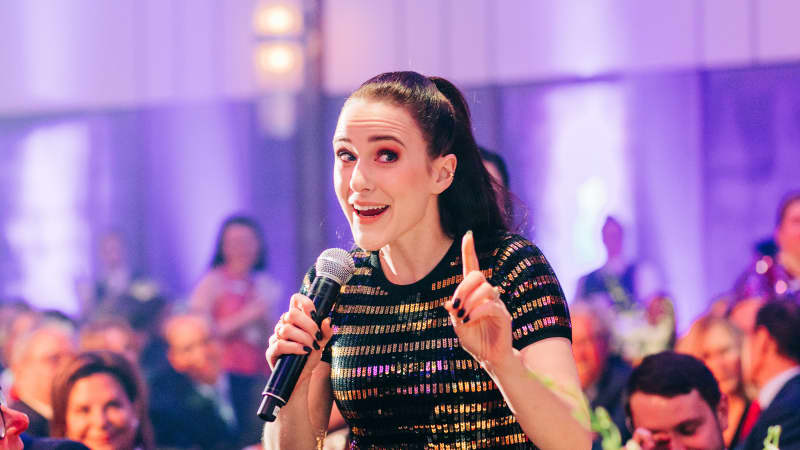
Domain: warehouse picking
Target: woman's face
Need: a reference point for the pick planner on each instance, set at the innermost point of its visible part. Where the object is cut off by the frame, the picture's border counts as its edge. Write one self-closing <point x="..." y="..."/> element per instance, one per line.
<point x="100" y="415"/>
<point x="386" y="184"/>
<point x="239" y="246"/>
<point x="723" y="358"/>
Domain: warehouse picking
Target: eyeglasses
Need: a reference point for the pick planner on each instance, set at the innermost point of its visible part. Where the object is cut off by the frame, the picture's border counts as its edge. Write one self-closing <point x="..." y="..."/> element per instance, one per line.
<point x="2" y="417"/>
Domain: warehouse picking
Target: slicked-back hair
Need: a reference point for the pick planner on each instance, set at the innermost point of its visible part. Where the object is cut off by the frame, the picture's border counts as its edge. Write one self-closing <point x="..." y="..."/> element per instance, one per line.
<point x="669" y="374"/>
<point x="443" y="117"/>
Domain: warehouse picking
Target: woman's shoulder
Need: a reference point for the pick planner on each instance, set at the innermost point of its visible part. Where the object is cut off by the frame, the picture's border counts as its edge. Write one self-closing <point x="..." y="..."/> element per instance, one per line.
<point x="514" y="246"/>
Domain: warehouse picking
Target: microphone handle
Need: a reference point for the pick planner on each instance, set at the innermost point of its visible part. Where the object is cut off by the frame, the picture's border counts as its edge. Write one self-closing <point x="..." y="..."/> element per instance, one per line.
<point x="288" y="367"/>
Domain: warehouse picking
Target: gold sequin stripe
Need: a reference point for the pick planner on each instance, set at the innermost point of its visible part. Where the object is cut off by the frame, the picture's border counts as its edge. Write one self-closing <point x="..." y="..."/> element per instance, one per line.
<point x="520" y="268"/>
<point x="511" y="439"/>
<point x="455" y="279"/>
<point x="454" y="387"/>
<point x="461" y="427"/>
<point x="432" y="367"/>
<point x="404" y="347"/>
<point x="363" y="271"/>
<point x="390" y="309"/>
<point x="416" y="326"/>
<point x="537" y="282"/>
<point x="538" y="324"/>
<point x="537" y="303"/>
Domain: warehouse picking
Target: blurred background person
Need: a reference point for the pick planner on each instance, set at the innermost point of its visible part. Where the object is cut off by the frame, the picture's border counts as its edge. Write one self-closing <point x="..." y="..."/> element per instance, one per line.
<point x="771" y="361"/>
<point x="238" y="295"/>
<point x="99" y="399"/>
<point x="35" y="360"/>
<point x="674" y="402"/>
<point x="196" y="403"/>
<point x="16" y="318"/>
<point x="718" y="343"/>
<point x="116" y="280"/>
<point x="13" y="424"/>
<point x="109" y="333"/>
<point x="496" y="166"/>
<point x="602" y="373"/>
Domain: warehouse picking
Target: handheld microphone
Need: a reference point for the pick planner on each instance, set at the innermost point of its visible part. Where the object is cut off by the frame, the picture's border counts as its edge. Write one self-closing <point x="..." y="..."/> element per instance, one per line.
<point x="334" y="268"/>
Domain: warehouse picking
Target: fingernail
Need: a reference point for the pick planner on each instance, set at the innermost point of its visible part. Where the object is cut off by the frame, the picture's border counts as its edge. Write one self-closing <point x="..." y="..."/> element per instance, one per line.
<point x="460" y="313"/>
<point x="316" y="346"/>
<point x="319" y="335"/>
<point x="466" y="319"/>
<point x="456" y="303"/>
<point x="314" y="316"/>
<point x="307" y="349"/>
<point x="469" y="232"/>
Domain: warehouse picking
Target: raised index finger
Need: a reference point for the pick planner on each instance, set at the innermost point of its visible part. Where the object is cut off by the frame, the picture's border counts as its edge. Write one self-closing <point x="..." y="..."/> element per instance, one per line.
<point x="469" y="258"/>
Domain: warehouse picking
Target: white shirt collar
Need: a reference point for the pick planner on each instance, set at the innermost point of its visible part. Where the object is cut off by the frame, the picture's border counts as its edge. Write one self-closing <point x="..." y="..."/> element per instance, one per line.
<point x="767" y="393"/>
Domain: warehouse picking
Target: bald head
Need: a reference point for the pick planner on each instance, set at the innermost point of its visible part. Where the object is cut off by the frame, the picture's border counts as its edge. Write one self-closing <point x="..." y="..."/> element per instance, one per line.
<point x="194" y="349"/>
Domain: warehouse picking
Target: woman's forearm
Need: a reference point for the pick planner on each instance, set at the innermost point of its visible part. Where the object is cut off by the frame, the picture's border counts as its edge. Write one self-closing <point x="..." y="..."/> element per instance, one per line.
<point x="301" y="423"/>
<point x="548" y="419"/>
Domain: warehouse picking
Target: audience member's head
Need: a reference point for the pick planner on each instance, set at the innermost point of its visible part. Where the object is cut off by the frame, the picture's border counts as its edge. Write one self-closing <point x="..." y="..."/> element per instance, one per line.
<point x="112" y="251"/>
<point x="675" y="402"/>
<point x="100" y="400"/>
<point x="12" y="424"/>
<point x="194" y="349"/>
<point x="718" y="343"/>
<point x="613" y="237"/>
<point x="36" y="358"/>
<point x="773" y="346"/>
<point x="110" y="333"/>
<point x="787" y="230"/>
<point x="16" y="317"/>
<point x="240" y="245"/>
<point x="590" y="340"/>
<point x="496" y="167"/>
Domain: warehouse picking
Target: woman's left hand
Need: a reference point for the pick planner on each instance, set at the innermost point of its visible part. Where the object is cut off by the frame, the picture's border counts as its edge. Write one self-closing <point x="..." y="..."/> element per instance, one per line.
<point x="479" y="317"/>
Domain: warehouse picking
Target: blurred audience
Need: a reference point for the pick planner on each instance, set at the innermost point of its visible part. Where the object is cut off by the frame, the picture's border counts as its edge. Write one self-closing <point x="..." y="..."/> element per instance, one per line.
<point x="239" y="296"/>
<point x="496" y="166"/>
<point x="674" y="402"/>
<point x="771" y="361"/>
<point x="718" y="343"/>
<point x="99" y="399"/>
<point x="110" y="333"/>
<point x="13" y="424"/>
<point x="644" y="318"/>
<point x="116" y="281"/>
<point x="16" y="318"/>
<point x="776" y="274"/>
<point x="197" y="404"/>
<point x="35" y="360"/>
<point x="602" y="373"/>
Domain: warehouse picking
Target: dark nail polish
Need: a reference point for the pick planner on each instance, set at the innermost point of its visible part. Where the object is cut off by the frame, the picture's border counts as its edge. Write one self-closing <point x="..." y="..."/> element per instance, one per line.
<point x="466" y="319"/>
<point x="316" y="346"/>
<point x="460" y="313"/>
<point x="319" y="335"/>
<point x="307" y="349"/>
<point x="456" y="303"/>
<point x="314" y="316"/>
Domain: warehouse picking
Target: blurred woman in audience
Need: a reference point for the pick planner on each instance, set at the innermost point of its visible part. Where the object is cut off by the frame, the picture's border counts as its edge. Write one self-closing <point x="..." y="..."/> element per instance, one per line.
<point x="718" y="343"/>
<point x="99" y="399"/>
<point x="238" y="295"/>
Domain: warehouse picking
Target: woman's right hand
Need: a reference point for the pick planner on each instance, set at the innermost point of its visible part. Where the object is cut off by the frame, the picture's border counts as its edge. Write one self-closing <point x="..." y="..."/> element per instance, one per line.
<point x="297" y="333"/>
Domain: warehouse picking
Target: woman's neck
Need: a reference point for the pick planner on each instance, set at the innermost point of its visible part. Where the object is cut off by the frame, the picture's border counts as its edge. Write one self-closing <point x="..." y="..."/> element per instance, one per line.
<point x="409" y="260"/>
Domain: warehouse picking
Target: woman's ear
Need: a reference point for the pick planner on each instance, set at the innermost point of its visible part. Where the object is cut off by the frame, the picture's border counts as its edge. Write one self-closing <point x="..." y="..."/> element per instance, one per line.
<point x="444" y="169"/>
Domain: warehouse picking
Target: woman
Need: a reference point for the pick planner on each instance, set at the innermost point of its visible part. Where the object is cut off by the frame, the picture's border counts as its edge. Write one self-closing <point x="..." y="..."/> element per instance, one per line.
<point x="99" y="399"/>
<point x="237" y="295"/>
<point x="421" y="357"/>
<point x="718" y="343"/>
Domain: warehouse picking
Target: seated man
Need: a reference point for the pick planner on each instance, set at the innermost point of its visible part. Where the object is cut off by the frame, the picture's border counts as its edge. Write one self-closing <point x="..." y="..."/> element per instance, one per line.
<point x="602" y="373"/>
<point x="674" y="402"/>
<point x="13" y="424"/>
<point x="771" y="362"/>
<point x="194" y="403"/>
<point x="35" y="359"/>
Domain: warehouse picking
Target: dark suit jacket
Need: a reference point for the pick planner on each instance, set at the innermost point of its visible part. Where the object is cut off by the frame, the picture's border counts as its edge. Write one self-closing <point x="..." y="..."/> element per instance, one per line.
<point x="31" y="443"/>
<point x="783" y="411"/>
<point x="184" y="418"/>
<point x="610" y="395"/>
<point x="39" y="426"/>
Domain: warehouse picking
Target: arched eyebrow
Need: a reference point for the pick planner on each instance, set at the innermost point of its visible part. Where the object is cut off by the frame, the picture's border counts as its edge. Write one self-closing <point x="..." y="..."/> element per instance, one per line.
<point x="375" y="138"/>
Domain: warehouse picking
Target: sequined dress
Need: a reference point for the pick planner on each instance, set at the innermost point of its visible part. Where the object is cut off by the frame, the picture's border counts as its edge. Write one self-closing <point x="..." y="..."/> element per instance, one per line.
<point x="399" y="375"/>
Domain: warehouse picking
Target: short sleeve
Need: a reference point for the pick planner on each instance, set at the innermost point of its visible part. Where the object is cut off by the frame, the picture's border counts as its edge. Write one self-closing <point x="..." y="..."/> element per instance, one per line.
<point x="531" y="292"/>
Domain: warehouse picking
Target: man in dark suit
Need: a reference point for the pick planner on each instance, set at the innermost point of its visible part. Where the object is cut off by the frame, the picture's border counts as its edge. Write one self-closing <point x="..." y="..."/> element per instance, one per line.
<point x="194" y="404"/>
<point x="13" y="425"/>
<point x="771" y="361"/>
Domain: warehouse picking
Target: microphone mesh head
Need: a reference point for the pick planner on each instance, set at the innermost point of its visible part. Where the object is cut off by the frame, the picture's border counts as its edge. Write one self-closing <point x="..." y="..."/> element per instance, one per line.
<point x="336" y="264"/>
